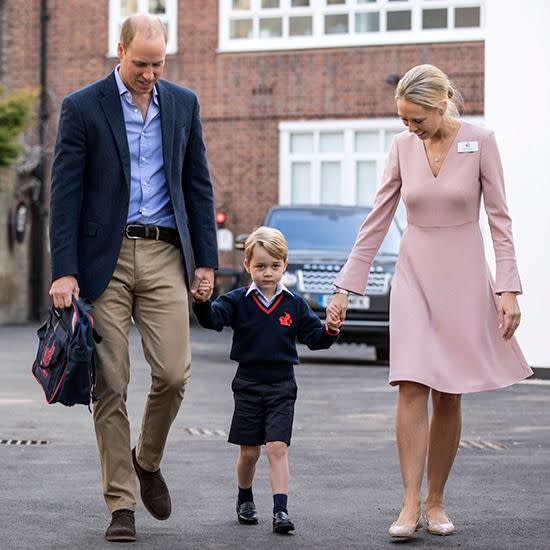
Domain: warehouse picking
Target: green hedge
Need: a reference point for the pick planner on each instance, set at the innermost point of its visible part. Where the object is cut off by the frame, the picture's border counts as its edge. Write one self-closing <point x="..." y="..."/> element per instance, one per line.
<point x="16" y="110"/>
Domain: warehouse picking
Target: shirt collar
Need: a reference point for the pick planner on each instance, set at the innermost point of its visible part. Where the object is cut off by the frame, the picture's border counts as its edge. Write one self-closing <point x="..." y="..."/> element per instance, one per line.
<point x="280" y="288"/>
<point x="123" y="90"/>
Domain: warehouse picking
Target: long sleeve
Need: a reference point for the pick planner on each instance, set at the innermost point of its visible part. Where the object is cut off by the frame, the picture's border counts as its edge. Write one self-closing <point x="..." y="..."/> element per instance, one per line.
<point x="311" y="331"/>
<point x="214" y="315"/>
<point x="199" y="198"/>
<point x="68" y="168"/>
<point x="355" y="273"/>
<point x="494" y="198"/>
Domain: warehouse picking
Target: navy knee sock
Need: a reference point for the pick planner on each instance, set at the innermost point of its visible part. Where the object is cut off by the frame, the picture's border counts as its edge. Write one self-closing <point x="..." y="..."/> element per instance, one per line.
<point x="245" y="495"/>
<point x="280" y="503"/>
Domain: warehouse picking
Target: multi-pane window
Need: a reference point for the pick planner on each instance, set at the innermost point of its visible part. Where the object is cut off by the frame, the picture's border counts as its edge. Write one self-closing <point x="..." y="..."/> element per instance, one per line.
<point x="337" y="162"/>
<point x="333" y="163"/>
<point x="291" y="24"/>
<point x="166" y="10"/>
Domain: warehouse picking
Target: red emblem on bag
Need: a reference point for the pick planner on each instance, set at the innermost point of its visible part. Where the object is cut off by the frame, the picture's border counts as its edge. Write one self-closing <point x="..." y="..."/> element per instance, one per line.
<point x="285" y="320"/>
<point x="48" y="355"/>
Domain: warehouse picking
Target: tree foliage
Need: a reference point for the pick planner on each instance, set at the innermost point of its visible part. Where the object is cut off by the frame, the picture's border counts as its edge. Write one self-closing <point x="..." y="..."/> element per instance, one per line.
<point x="16" y="109"/>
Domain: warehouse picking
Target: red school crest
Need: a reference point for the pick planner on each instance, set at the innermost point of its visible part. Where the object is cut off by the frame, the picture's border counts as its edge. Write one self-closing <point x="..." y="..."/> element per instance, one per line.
<point x="285" y="320"/>
<point x="48" y="355"/>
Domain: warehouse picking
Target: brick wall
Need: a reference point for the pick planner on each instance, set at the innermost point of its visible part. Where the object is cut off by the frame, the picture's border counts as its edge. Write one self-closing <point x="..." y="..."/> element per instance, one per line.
<point x="243" y="95"/>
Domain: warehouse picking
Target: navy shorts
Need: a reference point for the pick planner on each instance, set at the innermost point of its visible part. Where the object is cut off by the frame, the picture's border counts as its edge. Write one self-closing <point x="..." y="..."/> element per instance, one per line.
<point x="264" y="411"/>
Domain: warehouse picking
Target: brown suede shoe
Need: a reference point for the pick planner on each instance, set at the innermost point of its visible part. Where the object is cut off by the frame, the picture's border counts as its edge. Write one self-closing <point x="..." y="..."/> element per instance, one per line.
<point x="154" y="491"/>
<point x="122" y="528"/>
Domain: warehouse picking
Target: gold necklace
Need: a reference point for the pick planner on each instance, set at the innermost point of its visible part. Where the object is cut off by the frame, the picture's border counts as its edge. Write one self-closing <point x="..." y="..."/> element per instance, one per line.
<point x="437" y="158"/>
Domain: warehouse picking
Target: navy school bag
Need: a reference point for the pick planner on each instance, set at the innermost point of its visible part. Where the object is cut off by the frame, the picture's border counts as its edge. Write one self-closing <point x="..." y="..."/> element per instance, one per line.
<point x="64" y="364"/>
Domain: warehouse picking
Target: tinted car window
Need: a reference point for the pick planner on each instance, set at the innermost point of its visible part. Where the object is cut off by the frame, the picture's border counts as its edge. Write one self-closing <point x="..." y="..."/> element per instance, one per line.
<point x="326" y="229"/>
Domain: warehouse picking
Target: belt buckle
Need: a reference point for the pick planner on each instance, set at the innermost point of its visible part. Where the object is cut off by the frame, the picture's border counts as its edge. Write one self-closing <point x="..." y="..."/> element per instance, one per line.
<point x="157" y="232"/>
<point x="128" y="236"/>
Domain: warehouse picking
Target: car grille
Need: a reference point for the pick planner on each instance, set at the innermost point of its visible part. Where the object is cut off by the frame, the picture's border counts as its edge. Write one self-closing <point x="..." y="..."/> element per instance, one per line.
<point x="320" y="279"/>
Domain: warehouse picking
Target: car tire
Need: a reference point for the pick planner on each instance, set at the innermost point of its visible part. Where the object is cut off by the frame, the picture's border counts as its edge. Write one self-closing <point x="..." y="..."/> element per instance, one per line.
<point x="383" y="353"/>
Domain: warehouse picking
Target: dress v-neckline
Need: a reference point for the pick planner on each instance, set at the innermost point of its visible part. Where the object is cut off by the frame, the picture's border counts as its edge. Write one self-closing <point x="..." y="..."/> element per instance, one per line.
<point x="449" y="151"/>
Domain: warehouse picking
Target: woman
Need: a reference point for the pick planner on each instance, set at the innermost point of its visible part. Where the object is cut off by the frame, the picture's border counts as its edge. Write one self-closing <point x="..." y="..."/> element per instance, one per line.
<point x="451" y="326"/>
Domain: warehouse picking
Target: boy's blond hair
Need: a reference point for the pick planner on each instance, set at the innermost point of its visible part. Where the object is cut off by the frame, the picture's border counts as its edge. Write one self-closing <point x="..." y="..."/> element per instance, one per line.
<point x="271" y="240"/>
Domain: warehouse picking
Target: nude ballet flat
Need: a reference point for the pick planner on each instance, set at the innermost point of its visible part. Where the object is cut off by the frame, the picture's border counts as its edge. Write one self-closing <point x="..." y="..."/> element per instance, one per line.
<point x="441" y="529"/>
<point x="406" y="531"/>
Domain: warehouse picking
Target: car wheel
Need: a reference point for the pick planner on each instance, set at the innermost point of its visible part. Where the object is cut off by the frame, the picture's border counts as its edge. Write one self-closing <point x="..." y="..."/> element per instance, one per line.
<point x="383" y="353"/>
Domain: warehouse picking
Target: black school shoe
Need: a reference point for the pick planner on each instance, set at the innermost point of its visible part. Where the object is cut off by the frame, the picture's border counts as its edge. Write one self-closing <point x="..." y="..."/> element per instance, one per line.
<point x="246" y="513"/>
<point x="122" y="527"/>
<point x="282" y="523"/>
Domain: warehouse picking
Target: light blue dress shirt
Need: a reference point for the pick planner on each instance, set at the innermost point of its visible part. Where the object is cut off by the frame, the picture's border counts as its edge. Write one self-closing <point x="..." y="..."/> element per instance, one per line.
<point x="280" y="288"/>
<point x="150" y="201"/>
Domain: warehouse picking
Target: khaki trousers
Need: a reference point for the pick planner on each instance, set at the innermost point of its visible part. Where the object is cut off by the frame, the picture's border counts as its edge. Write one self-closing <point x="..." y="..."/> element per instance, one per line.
<point x="148" y="284"/>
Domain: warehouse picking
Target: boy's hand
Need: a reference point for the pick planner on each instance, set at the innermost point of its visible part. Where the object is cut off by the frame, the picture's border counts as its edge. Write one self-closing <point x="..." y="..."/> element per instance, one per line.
<point x="333" y="320"/>
<point x="333" y="315"/>
<point x="203" y="292"/>
<point x="204" y="276"/>
<point x="333" y="327"/>
<point x="336" y="310"/>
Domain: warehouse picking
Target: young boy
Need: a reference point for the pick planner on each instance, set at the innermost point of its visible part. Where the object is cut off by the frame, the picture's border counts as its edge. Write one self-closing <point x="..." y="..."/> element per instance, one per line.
<point x="267" y="319"/>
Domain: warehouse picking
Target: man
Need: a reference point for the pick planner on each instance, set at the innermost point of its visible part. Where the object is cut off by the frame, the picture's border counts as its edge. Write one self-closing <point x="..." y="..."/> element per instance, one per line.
<point x="131" y="202"/>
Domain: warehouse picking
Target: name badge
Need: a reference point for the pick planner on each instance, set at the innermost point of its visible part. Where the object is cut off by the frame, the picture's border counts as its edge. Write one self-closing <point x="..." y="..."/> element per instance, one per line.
<point x="467" y="146"/>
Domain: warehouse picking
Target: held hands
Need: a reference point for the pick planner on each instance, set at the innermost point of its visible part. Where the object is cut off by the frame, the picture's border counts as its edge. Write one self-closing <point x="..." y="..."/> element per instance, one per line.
<point x="333" y="321"/>
<point x="203" y="292"/>
<point x="63" y="290"/>
<point x="203" y="284"/>
<point x="509" y="314"/>
<point x="336" y="312"/>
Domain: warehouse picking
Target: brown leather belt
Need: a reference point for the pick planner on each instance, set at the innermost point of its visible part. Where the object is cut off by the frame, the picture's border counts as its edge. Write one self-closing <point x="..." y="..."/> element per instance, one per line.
<point x="155" y="232"/>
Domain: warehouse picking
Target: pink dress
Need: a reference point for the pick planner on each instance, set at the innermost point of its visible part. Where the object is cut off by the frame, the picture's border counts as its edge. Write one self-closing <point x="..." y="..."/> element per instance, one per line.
<point x="443" y="315"/>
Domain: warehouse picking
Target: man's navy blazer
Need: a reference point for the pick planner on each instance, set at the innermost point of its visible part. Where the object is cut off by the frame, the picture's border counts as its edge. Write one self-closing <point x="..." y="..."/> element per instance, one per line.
<point x="90" y="189"/>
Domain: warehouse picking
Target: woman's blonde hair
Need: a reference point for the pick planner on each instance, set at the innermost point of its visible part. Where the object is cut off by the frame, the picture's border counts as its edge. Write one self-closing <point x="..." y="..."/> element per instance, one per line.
<point x="428" y="86"/>
<point x="272" y="240"/>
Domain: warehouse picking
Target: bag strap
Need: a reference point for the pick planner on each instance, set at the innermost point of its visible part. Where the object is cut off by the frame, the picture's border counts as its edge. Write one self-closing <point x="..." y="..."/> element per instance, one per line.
<point x="59" y="316"/>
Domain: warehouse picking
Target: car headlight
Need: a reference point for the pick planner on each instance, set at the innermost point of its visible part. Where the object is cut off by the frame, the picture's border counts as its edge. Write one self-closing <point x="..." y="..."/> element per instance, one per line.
<point x="289" y="279"/>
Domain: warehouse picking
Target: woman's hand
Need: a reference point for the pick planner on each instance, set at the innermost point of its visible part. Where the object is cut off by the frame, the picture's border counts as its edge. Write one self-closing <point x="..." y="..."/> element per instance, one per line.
<point x="336" y="310"/>
<point x="509" y="314"/>
<point x="333" y="326"/>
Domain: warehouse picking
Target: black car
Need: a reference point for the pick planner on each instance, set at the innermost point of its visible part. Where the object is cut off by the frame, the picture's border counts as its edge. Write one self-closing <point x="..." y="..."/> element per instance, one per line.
<point x="320" y="239"/>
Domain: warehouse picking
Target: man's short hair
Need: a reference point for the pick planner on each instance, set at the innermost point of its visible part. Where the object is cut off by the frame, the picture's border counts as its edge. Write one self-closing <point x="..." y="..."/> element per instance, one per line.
<point x="145" y="23"/>
<point x="271" y="240"/>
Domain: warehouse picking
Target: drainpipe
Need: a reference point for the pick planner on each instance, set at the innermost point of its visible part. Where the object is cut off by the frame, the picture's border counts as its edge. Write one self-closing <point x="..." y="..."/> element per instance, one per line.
<point x="38" y="208"/>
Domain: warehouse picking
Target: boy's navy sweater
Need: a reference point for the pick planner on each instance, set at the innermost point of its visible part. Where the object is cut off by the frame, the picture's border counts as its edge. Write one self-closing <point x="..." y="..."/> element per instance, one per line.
<point x="265" y="336"/>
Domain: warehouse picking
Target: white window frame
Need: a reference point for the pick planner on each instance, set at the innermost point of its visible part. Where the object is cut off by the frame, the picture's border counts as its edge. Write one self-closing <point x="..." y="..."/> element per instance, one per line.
<point x="348" y="158"/>
<point x="170" y="18"/>
<point x="318" y="9"/>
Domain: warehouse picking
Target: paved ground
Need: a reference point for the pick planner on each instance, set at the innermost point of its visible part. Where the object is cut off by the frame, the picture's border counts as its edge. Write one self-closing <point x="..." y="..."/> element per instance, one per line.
<point x="345" y="486"/>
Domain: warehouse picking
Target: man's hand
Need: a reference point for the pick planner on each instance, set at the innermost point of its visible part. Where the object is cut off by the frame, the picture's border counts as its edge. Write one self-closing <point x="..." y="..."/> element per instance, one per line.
<point x="63" y="290"/>
<point x="204" y="291"/>
<point x="203" y="284"/>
